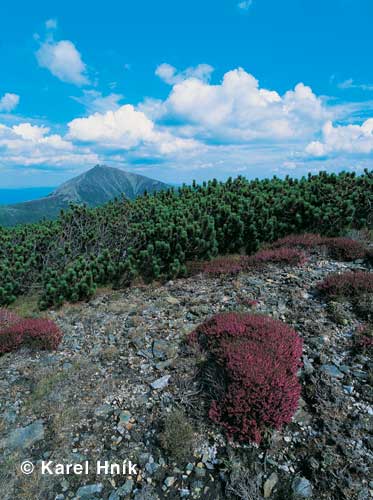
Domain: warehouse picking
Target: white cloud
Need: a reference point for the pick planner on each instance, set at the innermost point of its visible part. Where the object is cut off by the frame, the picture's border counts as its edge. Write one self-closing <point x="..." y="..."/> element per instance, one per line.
<point x="220" y="128"/>
<point x="9" y="102"/>
<point x="30" y="132"/>
<point x="94" y="101"/>
<point x="238" y="110"/>
<point x="350" y="84"/>
<point x="63" y="60"/>
<point x="351" y="139"/>
<point x="125" y="128"/>
<point x="245" y="4"/>
<point x="26" y="144"/>
<point x="170" y="75"/>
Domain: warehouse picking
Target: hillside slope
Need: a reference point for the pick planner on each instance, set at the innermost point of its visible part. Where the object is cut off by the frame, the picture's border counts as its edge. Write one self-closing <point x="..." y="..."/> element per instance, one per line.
<point x="96" y="395"/>
<point x="95" y="187"/>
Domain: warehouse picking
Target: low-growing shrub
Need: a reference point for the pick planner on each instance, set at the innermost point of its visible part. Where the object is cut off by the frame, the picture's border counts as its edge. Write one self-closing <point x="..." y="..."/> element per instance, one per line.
<point x="224" y="265"/>
<point x="345" y="249"/>
<point x="348" y="284"/>
<point x="234" y="264"/>
<point x="257" y="359"/>
<point x="307" y="240"/>
<point x="39" y="332"/>
<point x="283" y="255"/>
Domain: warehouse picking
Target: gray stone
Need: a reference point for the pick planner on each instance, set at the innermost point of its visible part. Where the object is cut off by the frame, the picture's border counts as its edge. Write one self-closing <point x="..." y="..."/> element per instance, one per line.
<point x="88" y="490"/>
<point x="332" y="371"/>
<point x="114" y="495"/>
<point x="169" y="481"/>
<point x="126" y="488"/>
<point x="270" y="484"/>
<point x="307" y="366"/>
<point x="24" y="437"/>
<point x="124" y="418"/>
<point x="161" y="383"/>
<point x="103" y="411"/>
<point x="301" y="487"/>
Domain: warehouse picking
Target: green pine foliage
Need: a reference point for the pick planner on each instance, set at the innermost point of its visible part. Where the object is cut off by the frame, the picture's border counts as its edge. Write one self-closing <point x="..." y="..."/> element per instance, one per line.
<point x="155" y="235"/>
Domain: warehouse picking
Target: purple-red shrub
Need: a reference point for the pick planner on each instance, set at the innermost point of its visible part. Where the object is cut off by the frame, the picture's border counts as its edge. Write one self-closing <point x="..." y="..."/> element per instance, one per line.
<point x="16" y="331"/>
<point x="39" y="332"/>
<point x="9" y="341"/>
<point x="231" y="264"/>
<point x="258" y="358"/>
<point x="283" y="255"/>
<point x="344" y="249"/>
<point x="307" y="240"/>
<point x="349" y="284"/>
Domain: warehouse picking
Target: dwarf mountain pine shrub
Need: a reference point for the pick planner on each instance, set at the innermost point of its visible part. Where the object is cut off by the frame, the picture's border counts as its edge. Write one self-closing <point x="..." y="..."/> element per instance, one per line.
<point x="349" y="284"/>
<point x="35" y="332"/>
<point x="257" y="359"/>
<point x="153" y="236"/>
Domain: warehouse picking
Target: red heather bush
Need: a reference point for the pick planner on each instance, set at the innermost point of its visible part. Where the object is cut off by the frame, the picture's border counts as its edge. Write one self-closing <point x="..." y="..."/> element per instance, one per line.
<point x="338" y="248"/>
<point x="345" y="249"/>
<point x="233" y="264"/>
<point x="39" y="332"/>
<point x="349" y="284"/>
<point x="307" y="240"/>
<point x="283" y="255"/>
<point x="230" y="264"/>
<point x="15" y="331"/>
<point x="258" y="358"/>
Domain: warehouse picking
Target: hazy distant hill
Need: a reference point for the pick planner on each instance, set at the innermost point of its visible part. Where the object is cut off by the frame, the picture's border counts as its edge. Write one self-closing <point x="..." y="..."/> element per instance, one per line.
<point x="95" y="187"/>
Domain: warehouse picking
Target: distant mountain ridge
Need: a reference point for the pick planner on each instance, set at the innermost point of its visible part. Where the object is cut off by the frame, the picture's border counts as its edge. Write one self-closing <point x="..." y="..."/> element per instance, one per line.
<point x="94" y="187"/>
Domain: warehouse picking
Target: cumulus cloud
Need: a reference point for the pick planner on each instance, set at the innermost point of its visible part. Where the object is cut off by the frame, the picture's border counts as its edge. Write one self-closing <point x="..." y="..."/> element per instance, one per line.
<point x="351" y="139"/>
<point x="63" y="60"/>
<point x="221" y="127"/>
<point x="8" y="102"/>
<point x="27" y="144"/>
<point x="125" y="128"/>
<point x="170" y="75"/>
<point x="239" y="110"/>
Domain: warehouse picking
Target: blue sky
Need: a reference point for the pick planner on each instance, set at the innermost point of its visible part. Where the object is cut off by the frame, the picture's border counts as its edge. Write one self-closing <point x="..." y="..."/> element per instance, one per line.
<point x="184" y="90"/>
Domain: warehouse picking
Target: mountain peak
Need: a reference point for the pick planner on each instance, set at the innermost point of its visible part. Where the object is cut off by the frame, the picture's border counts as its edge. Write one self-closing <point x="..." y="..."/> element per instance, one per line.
<point x="94" y="187"/>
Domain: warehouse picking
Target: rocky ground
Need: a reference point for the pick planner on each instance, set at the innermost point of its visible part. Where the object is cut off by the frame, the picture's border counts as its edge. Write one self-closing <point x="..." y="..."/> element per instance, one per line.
<point x="124" y="385"/>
